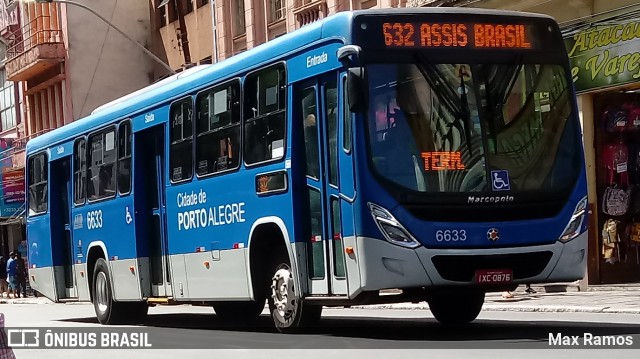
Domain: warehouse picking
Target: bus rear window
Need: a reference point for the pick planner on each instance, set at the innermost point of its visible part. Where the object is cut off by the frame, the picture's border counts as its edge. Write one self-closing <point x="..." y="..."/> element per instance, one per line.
<point x="181" y="134"/>
<point x="38" y="177"/>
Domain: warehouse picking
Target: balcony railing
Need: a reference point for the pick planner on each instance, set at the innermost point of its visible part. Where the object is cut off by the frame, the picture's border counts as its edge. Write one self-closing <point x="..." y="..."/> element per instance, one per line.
<point x="310" y="11"/>
<point x="36" y="42"/>
<point x="20" y="144"/>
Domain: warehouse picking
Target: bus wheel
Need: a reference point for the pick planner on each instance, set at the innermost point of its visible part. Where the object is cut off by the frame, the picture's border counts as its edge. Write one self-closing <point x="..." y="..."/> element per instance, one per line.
<point x="456" y="307"/>
<point x="290" y="314"/>
<point x="239" y="311"/>
<point x="106" y="308"/>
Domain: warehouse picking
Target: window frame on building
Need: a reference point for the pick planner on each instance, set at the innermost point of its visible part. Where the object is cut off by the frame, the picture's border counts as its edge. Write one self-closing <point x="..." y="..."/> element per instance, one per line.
<point x="8" y="117"/>
<point x="238" y="21"/>
<point x="276" y="6"/>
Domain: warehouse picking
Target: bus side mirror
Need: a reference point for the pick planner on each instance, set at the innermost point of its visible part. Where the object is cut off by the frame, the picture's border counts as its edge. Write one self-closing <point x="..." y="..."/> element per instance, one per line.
<point x="357" y="89"/>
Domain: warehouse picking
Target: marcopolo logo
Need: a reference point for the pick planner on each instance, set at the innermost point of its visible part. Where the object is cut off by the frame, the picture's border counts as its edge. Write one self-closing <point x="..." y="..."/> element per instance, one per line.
<point x="490" y="199"/>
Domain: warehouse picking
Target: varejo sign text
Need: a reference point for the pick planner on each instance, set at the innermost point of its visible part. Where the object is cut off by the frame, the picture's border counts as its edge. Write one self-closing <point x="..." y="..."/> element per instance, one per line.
<point x="511" y="36"/>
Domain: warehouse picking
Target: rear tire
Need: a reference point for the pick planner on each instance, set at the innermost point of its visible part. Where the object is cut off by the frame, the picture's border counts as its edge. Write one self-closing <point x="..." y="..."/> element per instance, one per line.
<point x="290" y="314"/>
<point x="456" y="307"/>
<point x="107" y="310"/>
<point x="239" y="311"/>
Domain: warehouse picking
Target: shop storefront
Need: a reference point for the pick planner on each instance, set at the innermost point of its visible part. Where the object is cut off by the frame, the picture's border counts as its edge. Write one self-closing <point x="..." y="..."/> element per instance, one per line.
<point x="605" y="60"/>
<point x="12" y="199"/>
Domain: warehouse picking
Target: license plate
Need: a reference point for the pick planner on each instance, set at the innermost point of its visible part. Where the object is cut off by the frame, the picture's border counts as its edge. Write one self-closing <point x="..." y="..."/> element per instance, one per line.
<point x="493" y="276"/>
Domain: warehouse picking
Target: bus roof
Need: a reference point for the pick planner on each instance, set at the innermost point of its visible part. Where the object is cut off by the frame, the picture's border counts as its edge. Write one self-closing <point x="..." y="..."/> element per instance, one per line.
<point x="335" y="26"/>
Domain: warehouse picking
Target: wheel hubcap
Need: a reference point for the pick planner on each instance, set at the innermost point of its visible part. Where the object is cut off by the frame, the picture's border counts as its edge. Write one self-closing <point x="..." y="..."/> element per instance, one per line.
<point x="101" y="292"/>
<point x="283" y="294"/>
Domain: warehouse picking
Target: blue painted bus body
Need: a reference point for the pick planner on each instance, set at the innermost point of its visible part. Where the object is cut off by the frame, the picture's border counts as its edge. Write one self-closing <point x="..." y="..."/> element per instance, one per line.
<point x="217" y="212"/>
<point x="152" y="108"/>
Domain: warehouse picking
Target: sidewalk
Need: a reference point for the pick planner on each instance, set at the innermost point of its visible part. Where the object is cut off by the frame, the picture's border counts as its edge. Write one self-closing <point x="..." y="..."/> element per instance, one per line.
<point x="597" y="299"/>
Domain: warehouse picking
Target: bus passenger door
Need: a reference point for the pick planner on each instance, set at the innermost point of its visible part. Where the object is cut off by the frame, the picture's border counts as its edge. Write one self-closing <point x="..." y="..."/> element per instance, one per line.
<point x="149" y="205"/>
<point x="318" y="104"/>
<point x="61" y="238"/>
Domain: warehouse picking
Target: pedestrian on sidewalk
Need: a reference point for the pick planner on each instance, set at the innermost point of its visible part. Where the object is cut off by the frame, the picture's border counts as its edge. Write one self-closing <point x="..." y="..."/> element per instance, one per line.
<point x="21" y="275"/>
<point x="11" y="274"/>
<point x="3" y="276"/>
<point x="528" y="290"/>
<point x="5" y="350"/>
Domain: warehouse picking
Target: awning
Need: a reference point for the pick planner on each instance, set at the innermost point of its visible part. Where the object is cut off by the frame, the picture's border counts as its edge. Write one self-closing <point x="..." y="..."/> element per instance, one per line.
<point x="16" y="218"/>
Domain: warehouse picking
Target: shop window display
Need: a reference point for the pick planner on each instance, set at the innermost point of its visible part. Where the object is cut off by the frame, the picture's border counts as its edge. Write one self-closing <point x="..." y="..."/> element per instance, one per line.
<point x="618" y="175"/>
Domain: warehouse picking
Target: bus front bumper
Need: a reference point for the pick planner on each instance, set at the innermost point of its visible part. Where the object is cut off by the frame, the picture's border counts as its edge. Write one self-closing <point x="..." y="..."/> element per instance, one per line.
<point x="383" y="265"/>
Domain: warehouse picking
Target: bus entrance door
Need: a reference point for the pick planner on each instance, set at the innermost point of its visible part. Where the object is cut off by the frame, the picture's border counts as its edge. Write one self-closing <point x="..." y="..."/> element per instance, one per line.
<point x="61" y="238"/>
<point x="150" y="211"/>
<point x="325" y="250"/>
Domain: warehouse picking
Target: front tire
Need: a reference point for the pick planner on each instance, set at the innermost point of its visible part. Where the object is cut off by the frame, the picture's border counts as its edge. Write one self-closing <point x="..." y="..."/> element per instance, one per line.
<point x="289" y="312"/>
<point x="456" y="307"/>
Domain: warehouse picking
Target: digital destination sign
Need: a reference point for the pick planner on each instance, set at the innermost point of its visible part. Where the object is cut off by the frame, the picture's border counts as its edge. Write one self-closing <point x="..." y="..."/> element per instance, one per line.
<point x="461" y="35"/>
<point x="439" y="161"/>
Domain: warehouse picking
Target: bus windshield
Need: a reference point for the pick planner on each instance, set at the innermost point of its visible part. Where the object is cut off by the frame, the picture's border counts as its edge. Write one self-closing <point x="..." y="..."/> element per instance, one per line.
<point x="469" y="128"/>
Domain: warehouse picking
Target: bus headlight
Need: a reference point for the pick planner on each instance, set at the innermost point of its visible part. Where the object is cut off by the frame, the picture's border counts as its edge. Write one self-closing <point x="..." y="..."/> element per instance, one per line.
<point x="392" y="230"/>
<point x="575" y="223"/>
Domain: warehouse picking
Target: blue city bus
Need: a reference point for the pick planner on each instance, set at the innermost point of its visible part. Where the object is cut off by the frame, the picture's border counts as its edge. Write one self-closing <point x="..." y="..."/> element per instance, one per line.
<point x="436" y="152"/>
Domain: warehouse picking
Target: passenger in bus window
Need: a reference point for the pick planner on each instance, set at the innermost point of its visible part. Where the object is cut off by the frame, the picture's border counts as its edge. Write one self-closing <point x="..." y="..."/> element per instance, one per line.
<point x="311" y="145"/>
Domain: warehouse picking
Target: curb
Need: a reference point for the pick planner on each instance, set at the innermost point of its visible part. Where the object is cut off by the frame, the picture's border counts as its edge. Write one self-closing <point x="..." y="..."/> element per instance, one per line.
<point x="527" y="309"/>
<point x="11" y="301"/>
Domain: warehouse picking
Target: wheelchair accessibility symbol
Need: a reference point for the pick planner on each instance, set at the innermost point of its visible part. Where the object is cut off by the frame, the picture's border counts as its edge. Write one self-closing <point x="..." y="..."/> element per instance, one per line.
<point x="500" y="180"/>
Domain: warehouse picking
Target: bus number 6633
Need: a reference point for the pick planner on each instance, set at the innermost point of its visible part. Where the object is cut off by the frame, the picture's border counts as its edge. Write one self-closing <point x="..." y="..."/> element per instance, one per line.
<point x="94" y="219"/>
<point x="451" y="235"/>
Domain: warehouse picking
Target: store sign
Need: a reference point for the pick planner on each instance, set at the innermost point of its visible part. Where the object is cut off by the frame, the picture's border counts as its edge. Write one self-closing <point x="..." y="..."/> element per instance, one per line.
<point x="12" y="194"/>
<point x="605" y="54"/>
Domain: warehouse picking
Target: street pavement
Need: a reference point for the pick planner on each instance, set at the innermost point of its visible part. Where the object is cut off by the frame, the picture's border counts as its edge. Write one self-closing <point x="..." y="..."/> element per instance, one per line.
<point x="597" y="299"/>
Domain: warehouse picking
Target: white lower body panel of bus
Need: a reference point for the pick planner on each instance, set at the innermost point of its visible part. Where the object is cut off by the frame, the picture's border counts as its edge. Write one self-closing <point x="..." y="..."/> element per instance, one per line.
<point x="385" y="266"/>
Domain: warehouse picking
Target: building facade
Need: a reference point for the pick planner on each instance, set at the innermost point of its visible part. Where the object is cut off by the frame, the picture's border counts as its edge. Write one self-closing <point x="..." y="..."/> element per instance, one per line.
<point x="12" y="194"/>
<point x="61" y="63"/>
<point x="215" y="30"/>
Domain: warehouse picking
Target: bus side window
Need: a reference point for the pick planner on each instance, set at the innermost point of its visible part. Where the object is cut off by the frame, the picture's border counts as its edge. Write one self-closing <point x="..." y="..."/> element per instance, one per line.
<point x="310" y="128"/>
<point x="265" y="105"/>
<point x="124" y="158"/>
<point x="38" y="182"/>
<point x="346" y="141"/>
<point x="102" y="159"/>
<point x="79" y="171"/>
<point x="181" y="135"/>
<point x="218" y="129"/>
